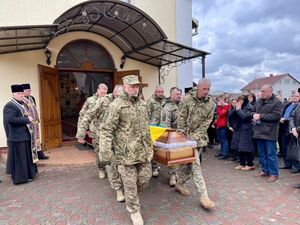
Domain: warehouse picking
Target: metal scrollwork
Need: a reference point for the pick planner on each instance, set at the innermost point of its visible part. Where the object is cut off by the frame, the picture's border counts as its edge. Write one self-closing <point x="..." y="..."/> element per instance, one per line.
<point x="93" y="13"/>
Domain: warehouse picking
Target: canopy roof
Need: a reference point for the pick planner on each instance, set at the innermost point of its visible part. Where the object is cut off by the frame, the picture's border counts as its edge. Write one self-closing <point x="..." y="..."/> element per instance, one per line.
<point x="131" y="29"/>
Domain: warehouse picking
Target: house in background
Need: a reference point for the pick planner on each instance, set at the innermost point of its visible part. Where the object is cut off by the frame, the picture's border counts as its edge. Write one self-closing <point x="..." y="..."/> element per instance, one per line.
<point x="284" y="85"/>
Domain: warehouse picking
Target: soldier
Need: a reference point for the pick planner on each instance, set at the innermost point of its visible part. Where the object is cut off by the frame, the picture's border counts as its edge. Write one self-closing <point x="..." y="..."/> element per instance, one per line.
<point x="154" y="105"/>
<point x="101" y="91"/>
<point x="169" y="119"/>
<point x="195" y="113"/>
<point x="92" y="124"/>
<point x="126" y="127"/>
<point x="97" y="114"/>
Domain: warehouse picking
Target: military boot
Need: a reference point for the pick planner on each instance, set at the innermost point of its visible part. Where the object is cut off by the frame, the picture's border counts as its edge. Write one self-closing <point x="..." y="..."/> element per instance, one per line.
<point x="120" y="196"/>
<point x="182" y="189"/>
<point x="172" y="181"/>
<point x="155" y="172"/>
<point x="101" y="174"/>
<point x="136" y="218"/>
<point x="206" y="202"/>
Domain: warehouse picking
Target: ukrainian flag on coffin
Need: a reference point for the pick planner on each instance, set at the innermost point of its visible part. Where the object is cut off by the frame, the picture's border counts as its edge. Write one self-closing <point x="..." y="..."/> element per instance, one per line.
<point x="156" y="132"/>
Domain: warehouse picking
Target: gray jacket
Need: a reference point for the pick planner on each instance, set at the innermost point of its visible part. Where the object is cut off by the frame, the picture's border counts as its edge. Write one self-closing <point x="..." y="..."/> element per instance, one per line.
<point x="270" y="111"/>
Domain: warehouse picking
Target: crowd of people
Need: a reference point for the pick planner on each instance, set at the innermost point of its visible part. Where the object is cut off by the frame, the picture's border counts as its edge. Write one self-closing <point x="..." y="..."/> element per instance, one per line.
<point x="119" y="124"/>
<point x="245" y="127"/>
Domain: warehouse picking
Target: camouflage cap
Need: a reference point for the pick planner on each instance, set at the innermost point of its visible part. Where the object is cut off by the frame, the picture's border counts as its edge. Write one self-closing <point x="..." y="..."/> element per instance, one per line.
<point x="131" y="79"/>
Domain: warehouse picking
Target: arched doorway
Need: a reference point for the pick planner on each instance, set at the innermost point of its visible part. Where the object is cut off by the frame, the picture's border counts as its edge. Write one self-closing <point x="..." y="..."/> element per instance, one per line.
<point x="82" y="65"/>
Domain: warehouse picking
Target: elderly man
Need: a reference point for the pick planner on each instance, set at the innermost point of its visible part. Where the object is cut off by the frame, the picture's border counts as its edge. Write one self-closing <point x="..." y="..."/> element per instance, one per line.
<point x="267" y="113"/>
<point x="93" y="126"/>
<point x="97" y="114"/>
<point x="16" y="120"/>
<point x="169" y="119"/>
<point x="29" y="100"/>
<point x="155" y="104"/>
<point x="125" y="136"/>
<point x="195" y="113"/>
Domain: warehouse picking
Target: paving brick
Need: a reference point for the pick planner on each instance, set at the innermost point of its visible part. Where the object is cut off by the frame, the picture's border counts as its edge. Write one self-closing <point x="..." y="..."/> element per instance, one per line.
<point x="70" y="194"/>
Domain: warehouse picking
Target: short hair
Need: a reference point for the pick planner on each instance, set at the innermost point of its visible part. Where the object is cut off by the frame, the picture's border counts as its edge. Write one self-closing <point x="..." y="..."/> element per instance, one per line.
<point x="174" y="89"/>
<point x="102" y="86"/>
<point x="204" y="81"/>
<point x="158" y="86"/>
<point x="268" y="86"/>
<point x="118" y="87"/>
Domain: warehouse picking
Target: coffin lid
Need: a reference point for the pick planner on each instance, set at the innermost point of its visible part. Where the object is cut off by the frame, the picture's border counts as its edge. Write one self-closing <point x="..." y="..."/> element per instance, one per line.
<point x="171" y="136"/>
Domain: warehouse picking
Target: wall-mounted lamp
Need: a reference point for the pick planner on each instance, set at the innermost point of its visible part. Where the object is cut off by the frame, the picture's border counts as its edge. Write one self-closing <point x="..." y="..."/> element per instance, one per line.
<point x="48" y="54"/>
<point x="123" y="60"/>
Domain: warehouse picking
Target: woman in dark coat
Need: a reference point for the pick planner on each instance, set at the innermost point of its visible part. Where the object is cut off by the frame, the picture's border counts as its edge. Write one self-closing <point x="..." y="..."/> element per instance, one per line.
<point x="242" y="135"/>
<point x="15" y="120"/>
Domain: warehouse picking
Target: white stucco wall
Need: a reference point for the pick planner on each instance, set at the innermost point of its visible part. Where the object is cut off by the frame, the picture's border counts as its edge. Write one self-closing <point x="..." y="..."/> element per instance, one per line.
<point x="164" y="13"/>
<point x="286" y="86"/>
<point x="184" y="36"/>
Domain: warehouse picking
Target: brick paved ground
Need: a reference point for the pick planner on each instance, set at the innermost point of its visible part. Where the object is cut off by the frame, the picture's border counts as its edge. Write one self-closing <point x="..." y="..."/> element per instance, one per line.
<point x="74" y="195"/>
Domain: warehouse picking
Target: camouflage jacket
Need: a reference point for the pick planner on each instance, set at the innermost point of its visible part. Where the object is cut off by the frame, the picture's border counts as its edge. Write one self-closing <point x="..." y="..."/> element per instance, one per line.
<point x="93" y="117"/>
<point x="154" y="106"/>
<point x="89" y="102"/>
<point x="126" y="125"/>
<point x="169" y="114"/>
<point x="194" y="116"/>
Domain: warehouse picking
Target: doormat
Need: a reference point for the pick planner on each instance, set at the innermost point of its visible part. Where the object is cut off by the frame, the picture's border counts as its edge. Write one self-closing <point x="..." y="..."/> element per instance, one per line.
<point x="82" y="147"/>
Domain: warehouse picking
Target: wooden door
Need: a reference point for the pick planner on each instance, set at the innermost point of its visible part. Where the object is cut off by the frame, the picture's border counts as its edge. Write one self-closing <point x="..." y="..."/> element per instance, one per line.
<point x="50" y="108"/>
<point x="119" y="75"/>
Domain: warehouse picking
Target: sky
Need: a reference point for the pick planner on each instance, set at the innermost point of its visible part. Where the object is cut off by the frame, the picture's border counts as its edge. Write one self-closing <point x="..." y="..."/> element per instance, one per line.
<point x="247" y="39"/>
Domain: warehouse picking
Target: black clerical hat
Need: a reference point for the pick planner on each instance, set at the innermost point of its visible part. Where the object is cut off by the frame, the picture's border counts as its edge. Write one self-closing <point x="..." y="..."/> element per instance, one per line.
<point x="26" y="86"/>
<point x="16" y="88"/>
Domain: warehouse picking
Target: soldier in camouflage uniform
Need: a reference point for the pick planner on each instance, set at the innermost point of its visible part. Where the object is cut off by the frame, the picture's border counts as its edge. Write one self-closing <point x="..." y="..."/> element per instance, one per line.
<point x="126" y="130"/>
<point x="169" y="119"/>
<point x="98" y="113"/>
<point x="89" y="119"/>
<point x="155" y="104"/>
<point x="90" y="102"/>
<point x="195" y="113"/>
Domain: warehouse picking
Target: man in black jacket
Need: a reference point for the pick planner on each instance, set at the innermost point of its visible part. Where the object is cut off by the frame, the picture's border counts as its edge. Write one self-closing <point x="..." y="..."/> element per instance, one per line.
<point x="266" y="116"/>
<point x="15" y="120"/>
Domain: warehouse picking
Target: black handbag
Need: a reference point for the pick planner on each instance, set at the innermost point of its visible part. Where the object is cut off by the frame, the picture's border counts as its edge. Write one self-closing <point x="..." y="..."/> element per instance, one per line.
<point x="293" y="149"/>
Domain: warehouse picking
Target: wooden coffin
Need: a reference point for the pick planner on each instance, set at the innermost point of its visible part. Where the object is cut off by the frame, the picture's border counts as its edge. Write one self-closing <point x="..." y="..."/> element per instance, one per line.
<point x="173" y="156"/>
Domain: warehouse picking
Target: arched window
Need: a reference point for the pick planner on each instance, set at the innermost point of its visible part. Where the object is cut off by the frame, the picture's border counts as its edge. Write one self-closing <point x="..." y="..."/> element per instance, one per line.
<point x="84" y="54"/>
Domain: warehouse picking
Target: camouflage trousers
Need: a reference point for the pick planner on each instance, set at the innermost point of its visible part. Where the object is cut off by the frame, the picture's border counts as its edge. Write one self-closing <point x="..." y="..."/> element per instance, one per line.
<point x="173" y="169"/>
<point x="154" y="165"/>
<point x="113" y="175"/>
<point x="135" y="178"/>
<point x="96" y="149"/>
<point x="186" y="171"/>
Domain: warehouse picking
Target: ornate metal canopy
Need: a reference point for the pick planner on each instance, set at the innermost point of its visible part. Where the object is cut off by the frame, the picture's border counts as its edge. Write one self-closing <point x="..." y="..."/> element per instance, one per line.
<point x="131" y="29"/>
<point x="23" y="38"/>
